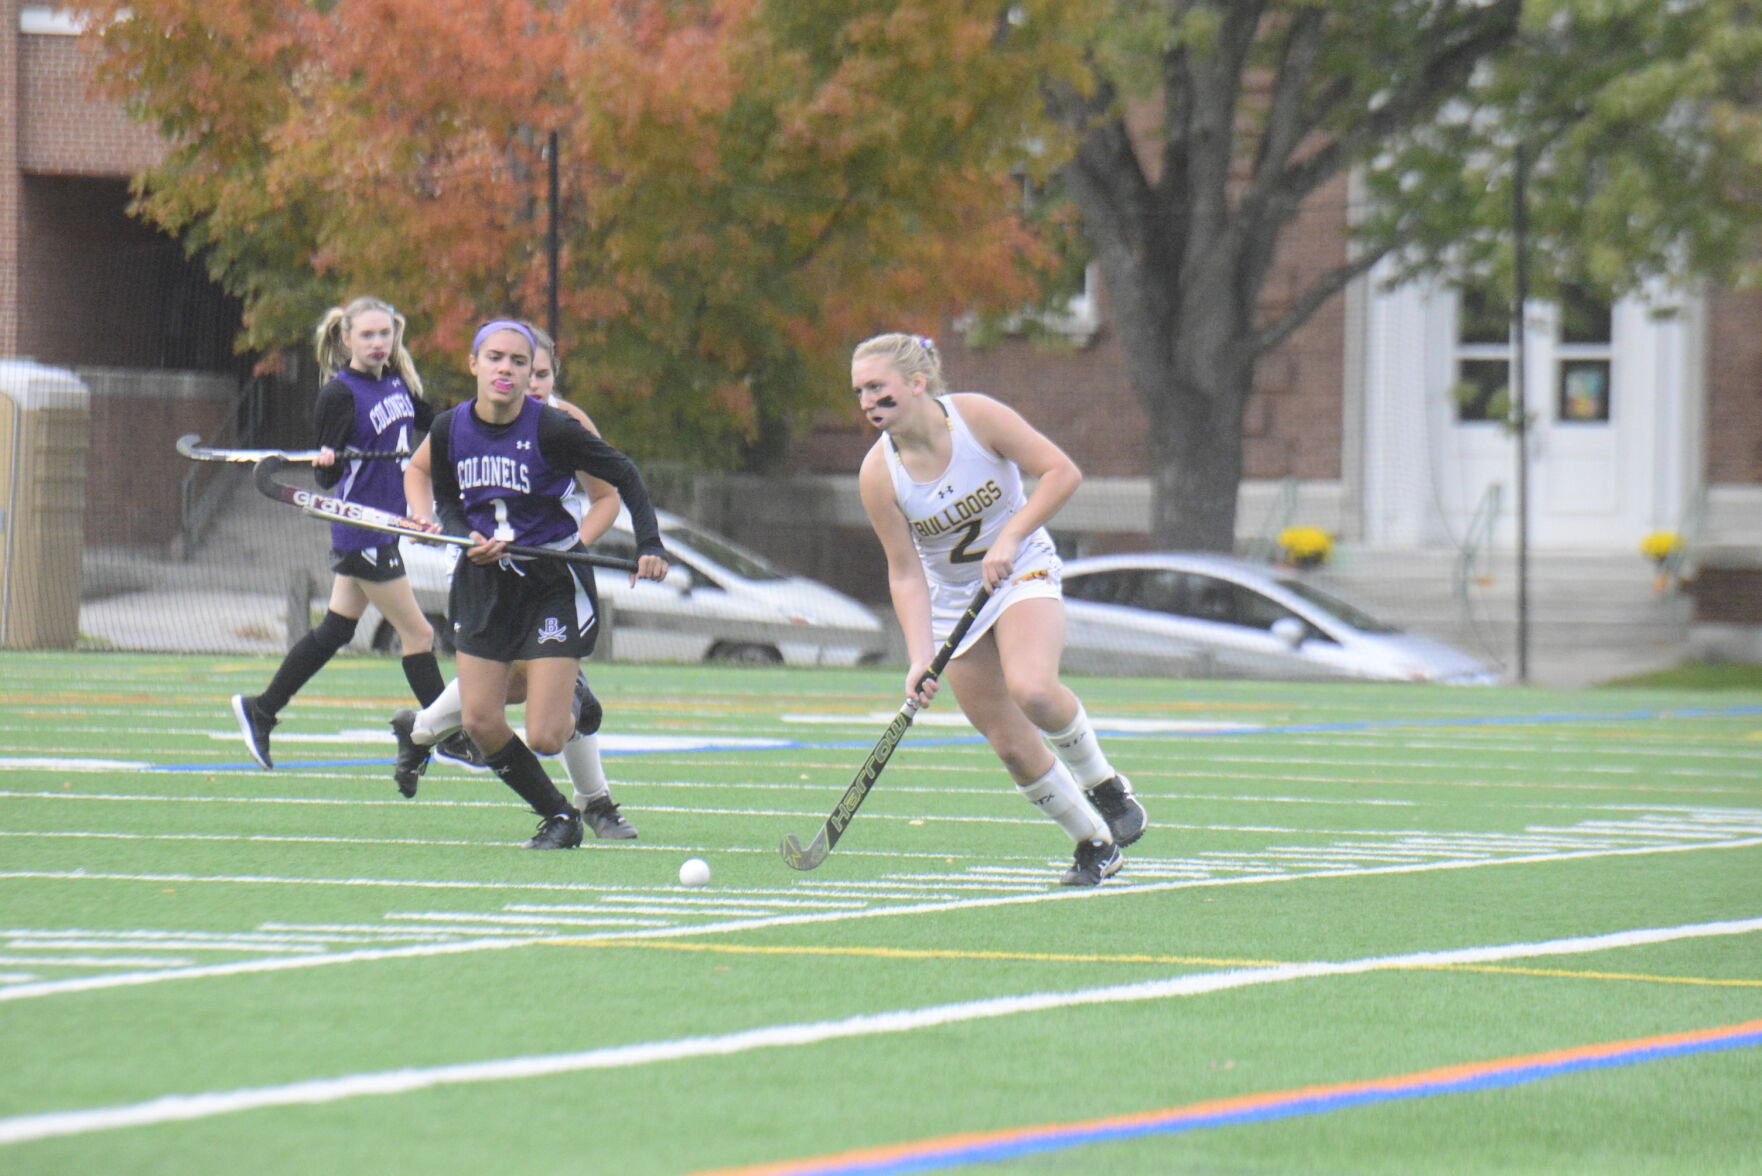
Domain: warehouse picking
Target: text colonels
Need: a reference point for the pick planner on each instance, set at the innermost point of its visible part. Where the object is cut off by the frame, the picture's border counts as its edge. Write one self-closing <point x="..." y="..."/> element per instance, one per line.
<point x="504" y="473"/>
<point x="392" y="408"/>
<point x="956" y="513"/>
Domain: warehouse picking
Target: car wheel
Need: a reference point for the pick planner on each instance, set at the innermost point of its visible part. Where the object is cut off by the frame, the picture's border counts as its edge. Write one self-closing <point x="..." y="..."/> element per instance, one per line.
<point x="385" y="638"/>
<point x="744" y="655"/>
<point x="443" y="634"/>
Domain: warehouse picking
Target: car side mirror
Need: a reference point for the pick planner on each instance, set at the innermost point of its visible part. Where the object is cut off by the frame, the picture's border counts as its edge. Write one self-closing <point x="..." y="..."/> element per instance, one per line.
<point x="679" y="580"/>
<point x="1290" y="630"/>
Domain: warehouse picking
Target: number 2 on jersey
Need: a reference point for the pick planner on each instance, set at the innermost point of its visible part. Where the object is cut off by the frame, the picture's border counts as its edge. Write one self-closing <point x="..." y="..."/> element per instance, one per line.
<point x="961" y="554"/>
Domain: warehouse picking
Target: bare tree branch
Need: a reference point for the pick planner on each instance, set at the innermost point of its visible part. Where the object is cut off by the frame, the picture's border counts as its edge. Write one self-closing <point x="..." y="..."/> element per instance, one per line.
<point x="1325" y="287"/>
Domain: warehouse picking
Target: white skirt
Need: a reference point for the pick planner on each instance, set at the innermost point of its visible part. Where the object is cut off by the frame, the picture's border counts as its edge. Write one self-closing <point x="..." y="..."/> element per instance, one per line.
<point x="1038" y="574"/>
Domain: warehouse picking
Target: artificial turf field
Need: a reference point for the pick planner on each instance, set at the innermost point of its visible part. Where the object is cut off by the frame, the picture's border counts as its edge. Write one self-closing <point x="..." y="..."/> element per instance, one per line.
<point x="1371" y="930"/>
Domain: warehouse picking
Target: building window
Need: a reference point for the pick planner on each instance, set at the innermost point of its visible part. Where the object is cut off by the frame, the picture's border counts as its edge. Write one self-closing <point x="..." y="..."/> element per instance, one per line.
<point x="1584" y="391"/>
<point x="1583" y="359"/>
<point x="1483" y="357"/>
<point x="1584" y="368"/>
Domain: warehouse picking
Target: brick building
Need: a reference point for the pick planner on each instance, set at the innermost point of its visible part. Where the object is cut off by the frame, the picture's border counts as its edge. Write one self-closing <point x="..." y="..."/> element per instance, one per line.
<point x="86" y="287"/>
<point x="1648" y="414"/>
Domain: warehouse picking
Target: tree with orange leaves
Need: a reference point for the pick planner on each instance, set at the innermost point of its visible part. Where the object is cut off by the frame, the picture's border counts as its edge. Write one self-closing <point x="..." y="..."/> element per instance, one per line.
<point x="746" y="186"/>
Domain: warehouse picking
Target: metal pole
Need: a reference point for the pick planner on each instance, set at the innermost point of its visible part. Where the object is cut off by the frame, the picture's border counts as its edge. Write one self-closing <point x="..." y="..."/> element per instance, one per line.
<point x="1519" y="406"/>
<point x="553" y="245"/>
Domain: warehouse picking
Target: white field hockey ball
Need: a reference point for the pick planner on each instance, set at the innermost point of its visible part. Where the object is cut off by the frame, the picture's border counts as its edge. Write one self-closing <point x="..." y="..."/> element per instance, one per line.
<point x="695" y="872"/>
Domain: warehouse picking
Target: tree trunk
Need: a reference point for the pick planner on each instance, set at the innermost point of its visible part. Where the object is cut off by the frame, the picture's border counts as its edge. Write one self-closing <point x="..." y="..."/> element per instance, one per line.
<point x="1192" y="367"/>
<point x="1196" y="455"/>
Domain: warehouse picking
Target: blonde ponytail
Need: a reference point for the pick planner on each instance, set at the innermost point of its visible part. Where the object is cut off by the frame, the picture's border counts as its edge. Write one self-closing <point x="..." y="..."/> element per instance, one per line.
<point x="327" y="341"/>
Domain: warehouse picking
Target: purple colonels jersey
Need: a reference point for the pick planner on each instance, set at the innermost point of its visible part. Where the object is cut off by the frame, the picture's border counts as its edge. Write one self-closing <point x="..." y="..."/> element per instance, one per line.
<point x="385" y="420"/>
<point x="508" y="489"/>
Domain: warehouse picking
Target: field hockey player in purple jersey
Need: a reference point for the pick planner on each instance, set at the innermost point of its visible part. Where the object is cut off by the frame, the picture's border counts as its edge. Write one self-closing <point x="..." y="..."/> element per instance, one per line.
<point x="943" y="490"/>
<point x="504" y="470"/>
<point x="438" y="724"/>
<point x="371" y="402"/>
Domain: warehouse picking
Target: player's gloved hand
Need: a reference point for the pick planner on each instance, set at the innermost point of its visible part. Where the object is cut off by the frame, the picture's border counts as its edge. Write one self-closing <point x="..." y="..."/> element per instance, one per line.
<point x="649" y="567"/>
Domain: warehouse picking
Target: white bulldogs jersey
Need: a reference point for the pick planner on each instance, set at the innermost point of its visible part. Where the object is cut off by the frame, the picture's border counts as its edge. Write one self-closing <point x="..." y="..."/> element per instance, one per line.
<point x="955" y="517"/>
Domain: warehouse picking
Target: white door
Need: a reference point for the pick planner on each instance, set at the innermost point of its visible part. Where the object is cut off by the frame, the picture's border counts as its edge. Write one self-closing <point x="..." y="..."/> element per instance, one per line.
<point x="1606" y="392"/>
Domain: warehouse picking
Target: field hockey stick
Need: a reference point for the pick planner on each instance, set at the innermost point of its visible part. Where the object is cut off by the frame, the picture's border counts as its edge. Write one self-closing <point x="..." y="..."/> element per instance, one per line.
<point x="354" y="514"/>
<point x="807" y="859"/>
<point x="190" y="445"/>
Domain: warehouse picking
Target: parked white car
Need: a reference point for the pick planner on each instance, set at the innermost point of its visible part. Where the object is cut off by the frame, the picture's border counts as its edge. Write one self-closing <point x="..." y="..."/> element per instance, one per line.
<point x="720" y="602"/>
<point x="1216" y="617"/>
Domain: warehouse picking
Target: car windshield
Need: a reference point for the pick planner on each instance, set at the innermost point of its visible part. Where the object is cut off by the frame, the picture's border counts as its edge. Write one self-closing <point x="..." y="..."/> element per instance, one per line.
<point x="1357" y="618"/>
<point x="748" y="565"/>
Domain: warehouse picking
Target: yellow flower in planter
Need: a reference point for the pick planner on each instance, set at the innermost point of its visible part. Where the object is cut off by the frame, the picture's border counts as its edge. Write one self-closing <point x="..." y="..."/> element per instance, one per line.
<point x="1661" y="546"/>
<point x="1307" y="547"/>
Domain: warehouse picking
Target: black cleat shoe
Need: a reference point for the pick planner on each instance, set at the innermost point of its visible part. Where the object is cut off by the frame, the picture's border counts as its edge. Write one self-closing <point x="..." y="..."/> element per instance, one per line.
<point x="412" y="756"/>
<point x="255" y="726"/>
<point x="1095" y="861"/>
<point x="459" y="748"/>
<point x="1125" y="817"/>
<point x="562" y="831"/>
<point x="607" y="823"/>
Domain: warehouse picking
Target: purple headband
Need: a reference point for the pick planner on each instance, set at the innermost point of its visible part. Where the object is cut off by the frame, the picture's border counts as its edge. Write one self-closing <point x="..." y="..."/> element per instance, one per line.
<point x="494" y="325"/>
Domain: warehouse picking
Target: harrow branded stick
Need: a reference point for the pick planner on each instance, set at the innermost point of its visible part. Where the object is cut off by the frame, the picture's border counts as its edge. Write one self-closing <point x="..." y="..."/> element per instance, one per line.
<point x="799" y="858"/>
<point x="190" y="445"/>
<point x="337" y="510"/>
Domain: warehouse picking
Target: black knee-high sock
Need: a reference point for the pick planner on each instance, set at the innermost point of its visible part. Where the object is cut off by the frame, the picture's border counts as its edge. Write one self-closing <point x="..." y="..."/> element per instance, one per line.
<point x="521" y="771"/>
<point x="423" y="674"/>
<point x="306" y="658"/>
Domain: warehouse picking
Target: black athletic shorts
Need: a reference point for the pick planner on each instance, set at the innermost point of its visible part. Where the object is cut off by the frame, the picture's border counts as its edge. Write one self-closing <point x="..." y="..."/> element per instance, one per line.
<point x="534" y="608"/>
<point x="376" y="565"/>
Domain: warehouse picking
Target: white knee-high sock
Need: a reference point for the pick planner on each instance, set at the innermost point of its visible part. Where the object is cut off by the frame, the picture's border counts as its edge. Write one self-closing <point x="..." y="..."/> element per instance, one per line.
<point x="1079" y="750"/>
<point x="1058" y="796"/>
<point x="440" y="718"/>
<point x="581" y="759"/>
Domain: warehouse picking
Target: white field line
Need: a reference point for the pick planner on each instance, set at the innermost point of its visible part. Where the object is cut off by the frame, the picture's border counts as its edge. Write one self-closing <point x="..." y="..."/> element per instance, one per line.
<point x="819" y="787"/>
<point x="61" y="933"/>
<point x="319" y="1091"/>
<point x="167" y="945"/>
<point x="673" y="911"/>
<point x="739" y="897"/>
<point x="69" y="764"/>
<point x="132" y="979"/>
<point x="367" y="932"/>
<point x="1575" y="746"/>
<point x="247" y="967"/>
<point x="96" y="962"/>
<point x="461" y="918"/>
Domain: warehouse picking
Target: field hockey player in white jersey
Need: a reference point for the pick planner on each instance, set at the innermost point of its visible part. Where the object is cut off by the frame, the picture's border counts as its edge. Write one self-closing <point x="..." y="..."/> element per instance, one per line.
<point x="943" y="490"/>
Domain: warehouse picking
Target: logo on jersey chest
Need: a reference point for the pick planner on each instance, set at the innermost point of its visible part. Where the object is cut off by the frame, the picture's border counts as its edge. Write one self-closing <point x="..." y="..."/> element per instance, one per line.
<point x="959" y="511"/>
<point x="503" y="473"/>
<point x="391" y="410"/>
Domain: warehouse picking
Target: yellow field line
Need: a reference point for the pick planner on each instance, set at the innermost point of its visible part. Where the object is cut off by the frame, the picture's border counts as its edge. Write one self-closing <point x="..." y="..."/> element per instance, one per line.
<point x="900" y="953"/>
<point x="1700" y="981"/>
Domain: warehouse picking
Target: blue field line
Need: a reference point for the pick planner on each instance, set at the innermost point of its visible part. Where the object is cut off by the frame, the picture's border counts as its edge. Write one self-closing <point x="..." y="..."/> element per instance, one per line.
<point x="1720" y="712"/>
<point x="1297" y="1105"/>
